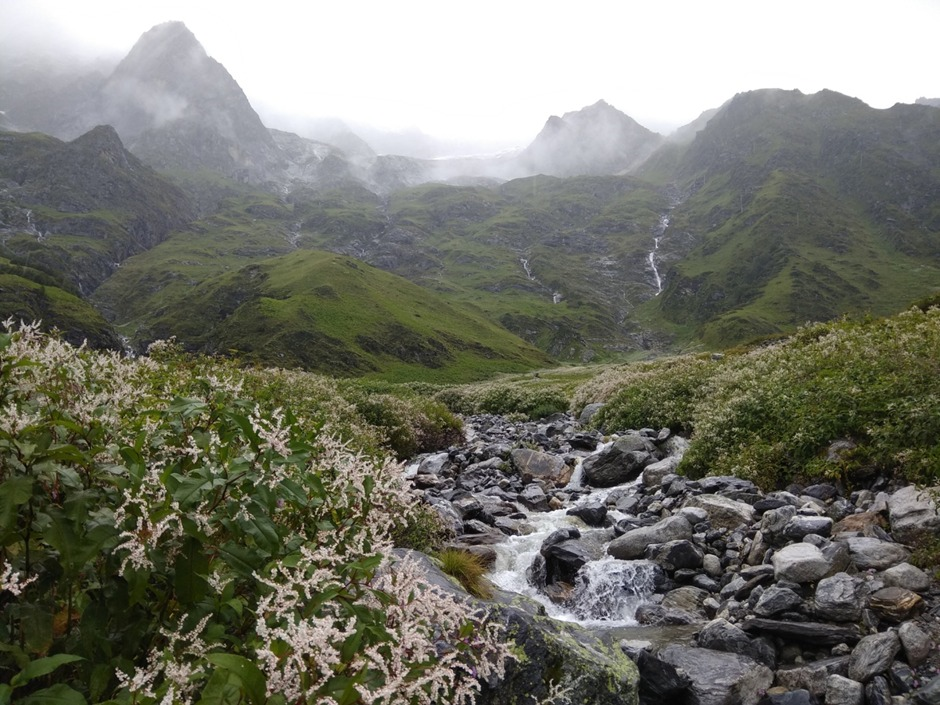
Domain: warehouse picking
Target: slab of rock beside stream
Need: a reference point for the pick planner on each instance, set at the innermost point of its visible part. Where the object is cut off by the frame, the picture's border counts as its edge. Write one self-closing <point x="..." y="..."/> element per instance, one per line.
<point x="803" y="595"/>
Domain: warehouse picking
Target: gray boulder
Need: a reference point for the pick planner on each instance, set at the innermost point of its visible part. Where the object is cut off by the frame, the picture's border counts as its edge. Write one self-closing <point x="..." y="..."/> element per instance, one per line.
<point x="800" y="563"/>
<point x="916" y="643"/>
<point x="775" y="600"/>
<point x="907" y="576"/>
<point x="723" y="513"/>
<point x="632" y="544"/>
<point x="812" y="676"/>
<point x="868" y="552"/>
<point x="676" y="555"/>
<point x="840" y="598"/>
<point x="913" y="515"/>
<point x="719" y="678"/>
<point x="873" y="655"/>
<point x="721" y="635"/>
<point x="844" y="691"/>
<point x="534" y="465"/>
<point x="654" y="473"/>
<point x="620" y="463"/>
<point x="800" y="526"/>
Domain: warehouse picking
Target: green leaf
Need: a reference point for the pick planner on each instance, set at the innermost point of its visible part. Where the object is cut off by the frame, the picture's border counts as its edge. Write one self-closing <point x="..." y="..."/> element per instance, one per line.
<point x="248" y="673"/>
<point x="5" y="693"/>
<point x="58" y="694"/>
<point x="14" y="493"/>
<point x="187" y="493"/>
<point x="42" y="667"/>
<point x="261" y="529"/>
<point x="222" y="689"/>
<point x="191" y="565"/>
<point x="242" y="560"/>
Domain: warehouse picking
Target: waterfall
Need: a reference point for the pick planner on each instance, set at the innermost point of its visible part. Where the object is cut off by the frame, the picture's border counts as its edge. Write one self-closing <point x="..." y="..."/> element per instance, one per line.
<point x="651" y="257"/>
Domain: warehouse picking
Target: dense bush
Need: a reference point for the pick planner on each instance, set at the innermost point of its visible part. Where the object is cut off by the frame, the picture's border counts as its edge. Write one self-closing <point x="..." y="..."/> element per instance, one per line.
<point x="657" y="394"/>
<point x="164" y="537"/>
<point x="771" y="413"/>
<point x="524" y="396"/>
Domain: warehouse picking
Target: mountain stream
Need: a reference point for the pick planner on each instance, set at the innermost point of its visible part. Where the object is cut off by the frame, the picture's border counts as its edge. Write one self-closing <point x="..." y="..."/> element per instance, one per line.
<point x="607" y="591"/>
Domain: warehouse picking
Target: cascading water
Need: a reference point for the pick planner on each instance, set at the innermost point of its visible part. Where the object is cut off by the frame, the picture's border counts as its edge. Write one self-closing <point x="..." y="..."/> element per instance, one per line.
<point x="606" y="591"/>
<point x="652" y="256"/>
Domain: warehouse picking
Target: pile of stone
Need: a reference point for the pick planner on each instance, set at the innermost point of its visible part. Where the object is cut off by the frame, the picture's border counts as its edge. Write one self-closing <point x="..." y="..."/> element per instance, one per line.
<point x="802" y="596"/>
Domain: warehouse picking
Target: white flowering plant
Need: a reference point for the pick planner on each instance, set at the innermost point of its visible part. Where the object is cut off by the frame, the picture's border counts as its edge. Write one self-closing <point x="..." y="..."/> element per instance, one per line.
<point x="165" y="538"/>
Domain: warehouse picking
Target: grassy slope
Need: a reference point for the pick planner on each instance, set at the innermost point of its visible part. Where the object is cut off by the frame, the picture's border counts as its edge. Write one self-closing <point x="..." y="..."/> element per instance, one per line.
<point x="808" y="207"/>
<point x="235" y="283"/>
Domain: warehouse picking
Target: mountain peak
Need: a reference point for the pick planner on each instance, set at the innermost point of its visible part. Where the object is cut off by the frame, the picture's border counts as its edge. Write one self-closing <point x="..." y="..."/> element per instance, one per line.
<point x="597" y="139"/>
<point x="162" y="51"/>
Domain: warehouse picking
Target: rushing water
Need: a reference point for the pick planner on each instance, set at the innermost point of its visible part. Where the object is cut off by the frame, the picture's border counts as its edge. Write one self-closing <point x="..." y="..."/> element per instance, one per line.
<point x="606" y="592"/>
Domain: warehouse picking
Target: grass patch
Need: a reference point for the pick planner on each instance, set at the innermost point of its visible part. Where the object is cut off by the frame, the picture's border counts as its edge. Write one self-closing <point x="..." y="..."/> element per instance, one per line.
<point x="468" y="569"/>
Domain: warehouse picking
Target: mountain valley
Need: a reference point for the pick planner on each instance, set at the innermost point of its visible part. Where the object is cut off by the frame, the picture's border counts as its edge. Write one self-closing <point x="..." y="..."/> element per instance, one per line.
<point x="153" y="202"/>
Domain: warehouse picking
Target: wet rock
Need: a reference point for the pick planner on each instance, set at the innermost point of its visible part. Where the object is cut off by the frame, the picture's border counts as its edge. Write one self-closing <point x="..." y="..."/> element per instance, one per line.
<point x="723" y="512"/>
<point x="719" y="678"/>
<point x="659" y="616"/>
<point x="676" y="555"/>
<point x="534" y="497"/>
<point x="775" y="600"/>
<point x="844" y="691"/>
<point x="535" y="465"/>
<point x="873" y="655"/>
<point x="620" y="463"/>
<point x="633" y="543"/>
<point x="915" y="642"/>
<point x="563" y="560"/>
<point x="800" y="563"/>
<point x="721" y="635"/>
<point x="895" y="604"/>
<point x="874" y="553"/>
<point x="806" y="632"/>
<point x="660" y="682"/>
<point x="800" y="526"/>
<point x="913" y="515"/>
<point x="840" y="598"/>
<point x="592" y="515"/>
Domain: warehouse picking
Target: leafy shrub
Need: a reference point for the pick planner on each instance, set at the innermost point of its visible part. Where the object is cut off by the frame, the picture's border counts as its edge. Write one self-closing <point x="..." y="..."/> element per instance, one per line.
<point x="770" y="415"/>
<point x="162" y="547"/>
<point x="532" y="399"/>
<point x="658" y="394"/>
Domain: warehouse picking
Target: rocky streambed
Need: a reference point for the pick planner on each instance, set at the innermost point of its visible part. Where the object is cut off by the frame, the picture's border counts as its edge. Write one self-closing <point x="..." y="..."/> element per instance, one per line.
<point x="718" y="592"/>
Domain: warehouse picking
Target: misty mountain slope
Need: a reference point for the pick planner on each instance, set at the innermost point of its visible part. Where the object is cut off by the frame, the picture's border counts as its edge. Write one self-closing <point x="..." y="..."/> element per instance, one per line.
<point x="80" y="208"/>
<point x="236" y="284"/>
<point x="598" y="139"/>
<point x="560" y="262"/>
<point x="804" y="208"/>
<point x="177" y="108"/>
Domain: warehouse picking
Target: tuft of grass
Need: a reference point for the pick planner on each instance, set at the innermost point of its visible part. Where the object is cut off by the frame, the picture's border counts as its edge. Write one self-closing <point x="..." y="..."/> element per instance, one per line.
<point x="468" y="569"/>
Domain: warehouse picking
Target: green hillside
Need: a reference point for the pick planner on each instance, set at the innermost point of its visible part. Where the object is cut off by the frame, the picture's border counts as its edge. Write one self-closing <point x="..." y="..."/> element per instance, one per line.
<point x="803" y="208"/>
<point x="219" y="292"/>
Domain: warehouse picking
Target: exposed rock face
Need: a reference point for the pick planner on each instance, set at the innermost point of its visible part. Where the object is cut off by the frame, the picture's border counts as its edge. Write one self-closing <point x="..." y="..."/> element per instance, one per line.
<point x="178" y="108"/>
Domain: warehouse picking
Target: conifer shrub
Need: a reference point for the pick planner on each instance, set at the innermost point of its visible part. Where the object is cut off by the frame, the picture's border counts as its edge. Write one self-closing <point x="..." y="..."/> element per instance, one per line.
<point x="166" y="538"/>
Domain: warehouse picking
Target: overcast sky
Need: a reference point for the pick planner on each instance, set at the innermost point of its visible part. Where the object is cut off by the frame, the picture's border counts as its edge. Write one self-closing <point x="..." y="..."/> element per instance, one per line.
<point x="497" y="69"/>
